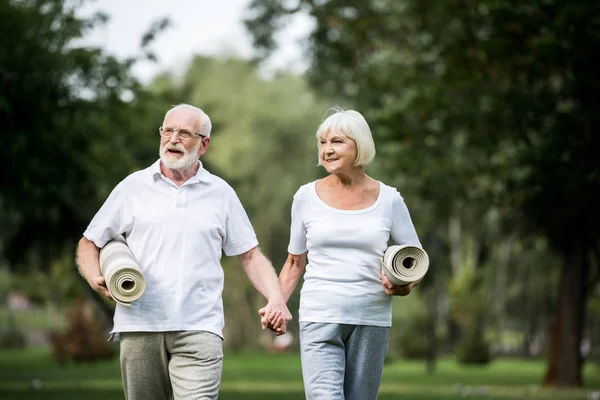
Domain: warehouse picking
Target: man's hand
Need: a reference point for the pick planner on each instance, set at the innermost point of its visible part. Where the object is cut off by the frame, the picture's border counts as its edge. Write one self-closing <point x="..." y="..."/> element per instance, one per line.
<point x="275" y="316"/>
<point x="99" y="285"/>
<point x="394" y="290"/>
<point x="88" y="264"/>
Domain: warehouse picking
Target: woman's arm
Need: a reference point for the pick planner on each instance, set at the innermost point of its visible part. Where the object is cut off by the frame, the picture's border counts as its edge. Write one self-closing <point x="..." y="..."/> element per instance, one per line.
<point x="288" y="280"/>
<point x="403" y="232"/>
<point x="290" y="275"/>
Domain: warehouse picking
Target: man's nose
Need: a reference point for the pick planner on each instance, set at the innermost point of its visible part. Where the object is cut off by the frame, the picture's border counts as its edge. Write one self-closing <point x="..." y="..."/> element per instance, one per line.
<point x="175" y="137"/>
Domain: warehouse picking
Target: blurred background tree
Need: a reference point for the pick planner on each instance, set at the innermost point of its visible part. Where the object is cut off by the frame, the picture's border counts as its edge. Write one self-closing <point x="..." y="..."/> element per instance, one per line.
<point x="67" y="111"/>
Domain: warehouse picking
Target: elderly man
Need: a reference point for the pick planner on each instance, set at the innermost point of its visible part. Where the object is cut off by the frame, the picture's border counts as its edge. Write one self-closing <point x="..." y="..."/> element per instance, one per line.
<point x="178" y="218"/>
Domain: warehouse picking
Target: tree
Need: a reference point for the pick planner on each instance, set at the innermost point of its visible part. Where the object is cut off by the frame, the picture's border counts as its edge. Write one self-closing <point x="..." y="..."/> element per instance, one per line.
<point x="64" y="116"/>
<point x="497" y="98"/>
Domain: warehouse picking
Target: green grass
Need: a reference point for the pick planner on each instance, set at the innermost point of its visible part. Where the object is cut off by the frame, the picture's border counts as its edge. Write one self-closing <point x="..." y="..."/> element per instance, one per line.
<point x="255" y="377"/>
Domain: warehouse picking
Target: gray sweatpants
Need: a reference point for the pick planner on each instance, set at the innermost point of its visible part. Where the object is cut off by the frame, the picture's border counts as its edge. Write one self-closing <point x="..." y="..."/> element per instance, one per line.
<point x="165" y="365"/>
<point x="342" y="362"/>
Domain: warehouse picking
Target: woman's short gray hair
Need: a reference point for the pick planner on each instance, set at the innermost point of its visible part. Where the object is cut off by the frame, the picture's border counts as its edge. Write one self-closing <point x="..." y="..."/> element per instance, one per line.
<point x="205" y="123"/>
<point x="352" y="124"/>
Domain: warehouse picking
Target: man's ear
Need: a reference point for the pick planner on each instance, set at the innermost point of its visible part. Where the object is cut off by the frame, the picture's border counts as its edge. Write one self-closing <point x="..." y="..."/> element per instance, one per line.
<point x="205" y="143"/>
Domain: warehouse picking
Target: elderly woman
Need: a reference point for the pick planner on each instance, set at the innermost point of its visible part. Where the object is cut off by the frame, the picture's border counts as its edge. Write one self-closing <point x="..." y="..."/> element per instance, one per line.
<point x="343" y="223"/>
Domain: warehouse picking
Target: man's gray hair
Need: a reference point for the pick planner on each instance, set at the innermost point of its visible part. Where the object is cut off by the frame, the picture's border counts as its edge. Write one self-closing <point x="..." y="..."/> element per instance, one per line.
<point x="205" y="124"/>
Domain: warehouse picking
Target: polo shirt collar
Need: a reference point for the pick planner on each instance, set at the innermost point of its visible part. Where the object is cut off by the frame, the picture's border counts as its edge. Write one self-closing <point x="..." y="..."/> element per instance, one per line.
<point x="202" y="175"/>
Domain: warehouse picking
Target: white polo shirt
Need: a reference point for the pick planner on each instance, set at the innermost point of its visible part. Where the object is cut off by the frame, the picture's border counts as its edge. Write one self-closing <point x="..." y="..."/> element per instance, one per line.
<point x="177" y="235"/>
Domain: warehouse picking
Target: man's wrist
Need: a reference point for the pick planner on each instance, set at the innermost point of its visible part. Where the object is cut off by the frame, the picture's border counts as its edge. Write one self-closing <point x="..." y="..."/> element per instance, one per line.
<point x="276" y="298"/>
<point x="92" y="278"/>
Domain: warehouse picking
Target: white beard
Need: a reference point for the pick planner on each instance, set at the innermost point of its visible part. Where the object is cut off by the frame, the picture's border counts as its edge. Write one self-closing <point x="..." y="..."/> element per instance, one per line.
<point x="179" y="163"/>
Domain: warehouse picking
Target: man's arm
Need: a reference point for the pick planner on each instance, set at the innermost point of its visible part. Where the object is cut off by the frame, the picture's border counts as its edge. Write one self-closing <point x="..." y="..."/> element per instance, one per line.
<point x="263" y="277"/>
<point x="88" y="263"/>
<point x="290" y="275"/>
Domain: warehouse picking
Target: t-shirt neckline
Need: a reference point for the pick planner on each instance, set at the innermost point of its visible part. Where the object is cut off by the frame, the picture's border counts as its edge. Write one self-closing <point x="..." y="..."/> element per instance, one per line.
<point x="342" y="211"/>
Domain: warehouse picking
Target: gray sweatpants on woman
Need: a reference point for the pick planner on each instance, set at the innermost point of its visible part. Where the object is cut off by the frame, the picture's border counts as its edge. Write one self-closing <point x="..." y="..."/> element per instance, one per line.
<point x="342" y="362"/>
<point x="166" y="365"/>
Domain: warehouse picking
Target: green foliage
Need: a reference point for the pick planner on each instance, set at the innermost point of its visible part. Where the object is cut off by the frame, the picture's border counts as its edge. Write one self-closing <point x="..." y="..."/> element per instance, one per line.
<point x="410" y="318"/>
<point x="412" y="338"/>
<point x="473" y="349"/>
<point x="35" y="319"/>
<point x="11" y="337"/>
<point x="64" y="115"/>
<point x="55" y="286"/>
<point x="466" y="297"/>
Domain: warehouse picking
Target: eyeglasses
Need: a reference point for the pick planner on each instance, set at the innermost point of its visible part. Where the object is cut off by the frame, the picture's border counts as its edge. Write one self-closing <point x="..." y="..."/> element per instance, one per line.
<point x="183" y="133"/>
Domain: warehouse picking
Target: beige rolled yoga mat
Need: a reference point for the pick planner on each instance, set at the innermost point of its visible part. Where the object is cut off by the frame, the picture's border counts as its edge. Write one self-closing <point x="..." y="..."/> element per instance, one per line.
<point x="122" y="273"/>
<point x="405" y="264"/>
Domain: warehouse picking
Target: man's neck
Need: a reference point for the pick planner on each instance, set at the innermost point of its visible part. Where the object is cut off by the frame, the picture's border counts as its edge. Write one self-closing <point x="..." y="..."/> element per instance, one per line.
<point x="179" y="177"/>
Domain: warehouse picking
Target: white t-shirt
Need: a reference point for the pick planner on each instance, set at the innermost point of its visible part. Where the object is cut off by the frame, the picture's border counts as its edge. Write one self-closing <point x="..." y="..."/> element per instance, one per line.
<point x="342" y="282"/>
<point x="177" y="234"/>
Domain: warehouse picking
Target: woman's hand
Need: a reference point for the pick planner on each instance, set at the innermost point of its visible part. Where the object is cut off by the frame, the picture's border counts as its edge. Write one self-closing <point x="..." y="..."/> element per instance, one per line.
<point x="274" y="319"/>
<point x="397" y="290"/>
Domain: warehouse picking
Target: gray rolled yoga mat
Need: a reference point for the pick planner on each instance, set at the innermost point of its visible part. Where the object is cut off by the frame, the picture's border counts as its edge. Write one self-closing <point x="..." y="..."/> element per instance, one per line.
<point x="122" y="273"/>
<point x="405" y="264"/>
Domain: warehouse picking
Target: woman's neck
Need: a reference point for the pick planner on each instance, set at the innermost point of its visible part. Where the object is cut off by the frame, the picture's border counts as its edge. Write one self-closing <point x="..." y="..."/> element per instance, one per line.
<point x="349" y="179"/>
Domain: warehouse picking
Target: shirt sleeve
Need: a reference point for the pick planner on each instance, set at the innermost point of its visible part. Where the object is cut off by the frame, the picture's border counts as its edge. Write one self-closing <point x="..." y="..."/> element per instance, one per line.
<point x="114" y="218"/>
<point x="239" y="233"/>
<point x="403" y="230"/>
<point x="297" y="228"/>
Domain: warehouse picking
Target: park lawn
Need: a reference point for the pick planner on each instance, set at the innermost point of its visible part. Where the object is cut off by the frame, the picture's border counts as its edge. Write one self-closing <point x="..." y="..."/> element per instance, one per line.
<point x="32" y="375"/>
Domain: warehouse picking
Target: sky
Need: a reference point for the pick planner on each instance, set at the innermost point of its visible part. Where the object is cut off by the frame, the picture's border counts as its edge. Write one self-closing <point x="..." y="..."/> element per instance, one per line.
<point x="207" y="27"/>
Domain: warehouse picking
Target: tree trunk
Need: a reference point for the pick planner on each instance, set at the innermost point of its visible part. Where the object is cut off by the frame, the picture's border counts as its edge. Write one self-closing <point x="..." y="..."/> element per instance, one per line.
<point x="431" y="335"/>
<point x="500" y="288"/>
<point x="455" y="239"/>
<point x="456" y="259"/>
<point x="432" y="284"/>
<point x="564" y="360"/>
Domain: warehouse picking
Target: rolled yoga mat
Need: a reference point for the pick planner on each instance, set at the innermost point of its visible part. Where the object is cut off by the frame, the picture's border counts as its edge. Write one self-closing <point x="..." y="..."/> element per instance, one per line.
<point x="122" y="273"/>
<point x="405" y="264"/>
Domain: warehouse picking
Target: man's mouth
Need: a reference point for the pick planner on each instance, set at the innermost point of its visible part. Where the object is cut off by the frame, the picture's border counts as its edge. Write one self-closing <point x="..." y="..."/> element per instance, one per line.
<point x="174" y="152"/>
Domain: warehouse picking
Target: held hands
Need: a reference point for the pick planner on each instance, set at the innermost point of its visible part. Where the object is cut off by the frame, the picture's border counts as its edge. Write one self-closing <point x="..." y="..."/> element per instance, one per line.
<point x="99" y="285"/>
<point x="275" y="316"/>
<point x="393" y="290"/>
